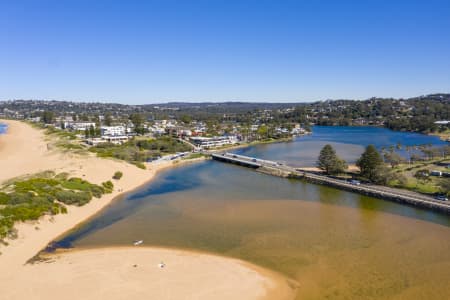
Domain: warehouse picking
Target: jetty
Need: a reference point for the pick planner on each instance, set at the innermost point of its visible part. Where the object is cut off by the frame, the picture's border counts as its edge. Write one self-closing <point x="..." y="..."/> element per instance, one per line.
<point x="282" y="170"/>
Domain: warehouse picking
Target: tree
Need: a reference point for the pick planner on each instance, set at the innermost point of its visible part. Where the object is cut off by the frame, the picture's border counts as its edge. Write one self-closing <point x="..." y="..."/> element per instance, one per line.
<point x="371" y="164"/>
<point x="445" y="151"/>
<point x="393" y="159"/>
<point x="262" y="131"/>
<point x="91" y="131"/>
<point x="186" y="119"/>
<point x="423" y="175"/>
<point x="137" y="121"/>
<point x="444" y="186"/>
<point x="108" y="119"/>
<point x="47" y="117"/>
<point x="330" y="162"/>
<point x="84" y="118"/>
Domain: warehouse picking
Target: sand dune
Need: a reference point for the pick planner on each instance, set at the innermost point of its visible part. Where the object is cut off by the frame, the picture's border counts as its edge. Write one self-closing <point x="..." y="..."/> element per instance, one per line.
<point x="109" y="273"/>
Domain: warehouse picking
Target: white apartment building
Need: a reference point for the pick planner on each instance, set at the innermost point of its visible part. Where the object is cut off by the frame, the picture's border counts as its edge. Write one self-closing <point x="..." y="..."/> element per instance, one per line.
<point x="80" y="126"/>
<point x="113" y="130"/>
<point x="212" y="142"/>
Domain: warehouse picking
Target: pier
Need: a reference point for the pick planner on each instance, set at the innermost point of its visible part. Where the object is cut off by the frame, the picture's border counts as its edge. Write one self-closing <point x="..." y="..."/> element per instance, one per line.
<point x="281" y="170"/>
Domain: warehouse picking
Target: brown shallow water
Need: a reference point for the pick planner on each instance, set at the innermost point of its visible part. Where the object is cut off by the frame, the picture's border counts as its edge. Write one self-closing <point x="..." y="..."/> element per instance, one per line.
<point x="335" y="244"/>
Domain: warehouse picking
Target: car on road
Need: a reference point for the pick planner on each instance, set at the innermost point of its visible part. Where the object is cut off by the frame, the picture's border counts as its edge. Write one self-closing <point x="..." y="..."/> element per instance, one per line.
<point x="441" y="198"/>
<point x="355" y="182"/>
<point x="253" y="159"/>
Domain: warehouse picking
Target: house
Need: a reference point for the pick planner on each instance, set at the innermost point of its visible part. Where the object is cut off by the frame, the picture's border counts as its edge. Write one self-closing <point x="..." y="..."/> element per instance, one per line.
<point x="115" y="139"/>
<point x="442" y="122"/>
<point x="113" y="130"/>
<point x="80" y="126"/>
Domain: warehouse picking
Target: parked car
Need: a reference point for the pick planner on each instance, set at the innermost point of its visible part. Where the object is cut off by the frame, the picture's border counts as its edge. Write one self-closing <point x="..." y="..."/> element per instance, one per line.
<point x="441" y="198"/>
<point x="355" y="182"/>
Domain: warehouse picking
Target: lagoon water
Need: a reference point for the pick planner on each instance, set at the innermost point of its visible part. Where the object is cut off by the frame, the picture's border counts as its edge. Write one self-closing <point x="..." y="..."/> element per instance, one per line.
<point x="3" y="128"/>
<point x="349" y="143"/>
<point x="334" y="244"/>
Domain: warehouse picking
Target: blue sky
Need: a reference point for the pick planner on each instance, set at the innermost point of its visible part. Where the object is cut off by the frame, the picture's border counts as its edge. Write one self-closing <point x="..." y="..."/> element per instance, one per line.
<point x="281" y="51"/>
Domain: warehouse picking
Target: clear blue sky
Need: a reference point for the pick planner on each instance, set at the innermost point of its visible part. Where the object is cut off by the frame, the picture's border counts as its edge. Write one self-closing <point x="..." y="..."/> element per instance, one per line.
<point x="157" y="51"/>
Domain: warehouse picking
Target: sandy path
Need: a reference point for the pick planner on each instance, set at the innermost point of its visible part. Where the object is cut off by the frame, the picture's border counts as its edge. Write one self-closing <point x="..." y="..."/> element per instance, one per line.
<point x="99" y="274"/>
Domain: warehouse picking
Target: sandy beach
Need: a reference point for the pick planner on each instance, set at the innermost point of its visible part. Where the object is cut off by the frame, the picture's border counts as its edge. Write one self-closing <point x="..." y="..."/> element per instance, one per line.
<point x="108" y="273"/>
<point x="119" y="273"/>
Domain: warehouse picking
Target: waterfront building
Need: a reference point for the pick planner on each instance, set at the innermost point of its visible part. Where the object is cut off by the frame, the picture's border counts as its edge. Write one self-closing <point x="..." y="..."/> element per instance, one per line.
<point x="213" y="142"/>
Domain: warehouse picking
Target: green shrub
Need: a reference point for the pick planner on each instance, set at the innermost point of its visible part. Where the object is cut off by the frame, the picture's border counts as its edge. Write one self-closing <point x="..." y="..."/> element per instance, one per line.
<point x="140" y="165"/>
<point x="76" y="183"/>
<point x="117" y="175"/>
<point x="19" y="198"/>
<point x="4" y="198"/>
<point x="31" y="198"/>
<point x="71" y="197"/>
<point x="97" y="191"/>
<point x="108" y="186"/>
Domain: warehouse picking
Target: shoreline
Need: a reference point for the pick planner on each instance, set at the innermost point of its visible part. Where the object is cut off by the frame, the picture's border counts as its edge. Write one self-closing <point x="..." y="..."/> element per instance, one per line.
<point x="120" y="197"/>
<point x="287" y="284"/>
<point x="68" y="222"/>
<point x="121" y="272"/>
<point x="33" y="237"/>
<point x="252" y="144"/>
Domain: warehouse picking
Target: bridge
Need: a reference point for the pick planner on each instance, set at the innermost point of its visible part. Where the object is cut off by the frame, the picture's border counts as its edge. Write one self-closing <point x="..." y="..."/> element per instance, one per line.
<point x="279" y="169"/>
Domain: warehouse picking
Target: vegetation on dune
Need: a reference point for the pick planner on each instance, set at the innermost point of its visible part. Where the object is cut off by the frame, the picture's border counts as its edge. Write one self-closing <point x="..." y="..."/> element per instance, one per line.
<point x="117" y="175"/>
<point x="65" y="140"/>
<point x="44" y="194"/>
<point x="137" y="151"/>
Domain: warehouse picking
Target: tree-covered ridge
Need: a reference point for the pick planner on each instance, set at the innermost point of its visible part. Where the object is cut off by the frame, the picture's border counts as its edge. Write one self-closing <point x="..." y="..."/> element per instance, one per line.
<point x="413" y="114"/>
<point x="44" y="194"/>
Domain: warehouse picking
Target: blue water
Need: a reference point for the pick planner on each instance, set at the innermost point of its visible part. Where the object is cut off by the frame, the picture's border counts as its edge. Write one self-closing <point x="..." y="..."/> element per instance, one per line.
<point x="349" y="143"/>
<point x="366" y="135"/>
<point x="3" y="128"/>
